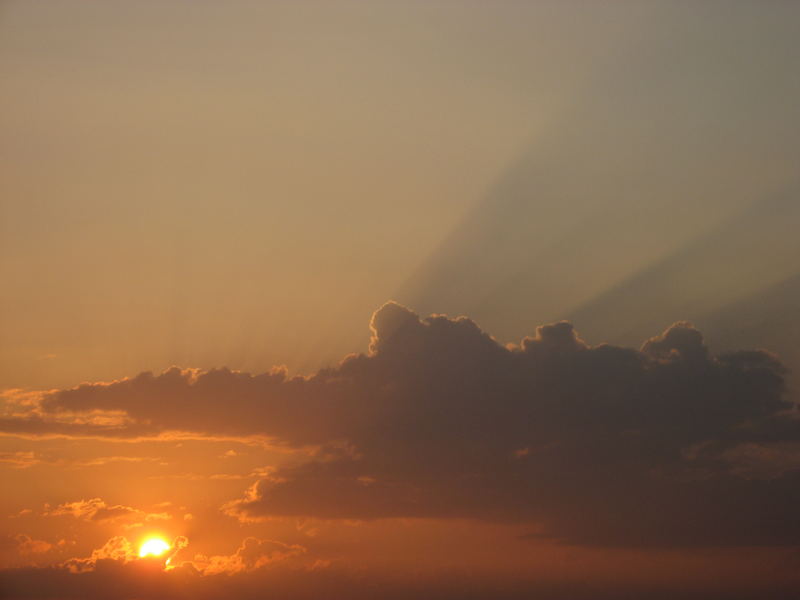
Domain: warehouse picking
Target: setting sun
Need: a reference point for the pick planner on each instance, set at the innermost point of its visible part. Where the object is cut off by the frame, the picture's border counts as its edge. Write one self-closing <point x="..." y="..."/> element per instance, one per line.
<point x="153" y="547"/>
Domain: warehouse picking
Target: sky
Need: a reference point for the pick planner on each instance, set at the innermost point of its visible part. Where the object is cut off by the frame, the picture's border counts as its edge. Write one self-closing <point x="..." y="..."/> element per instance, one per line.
<point x="446" y="299"/>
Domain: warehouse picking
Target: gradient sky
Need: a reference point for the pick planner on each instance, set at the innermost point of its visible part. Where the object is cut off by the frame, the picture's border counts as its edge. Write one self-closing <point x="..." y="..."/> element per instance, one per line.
<point x="228" y="187"/>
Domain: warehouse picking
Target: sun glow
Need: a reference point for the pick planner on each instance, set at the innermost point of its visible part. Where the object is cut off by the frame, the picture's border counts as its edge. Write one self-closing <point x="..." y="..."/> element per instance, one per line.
<point x="153" y="547"/>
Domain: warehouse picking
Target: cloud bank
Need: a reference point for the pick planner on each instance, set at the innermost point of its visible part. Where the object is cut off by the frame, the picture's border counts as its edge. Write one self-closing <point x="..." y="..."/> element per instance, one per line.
<point x="667" y="445"/>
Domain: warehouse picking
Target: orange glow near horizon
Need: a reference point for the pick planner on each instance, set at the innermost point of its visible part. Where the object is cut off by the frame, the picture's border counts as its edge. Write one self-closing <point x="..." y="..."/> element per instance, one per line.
<point x="153" y="546"/>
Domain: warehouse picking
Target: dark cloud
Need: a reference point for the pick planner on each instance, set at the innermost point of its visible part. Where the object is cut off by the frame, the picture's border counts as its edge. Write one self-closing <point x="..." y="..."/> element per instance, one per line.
<point x="146" y="579"/>
<point x="667" y="445"/>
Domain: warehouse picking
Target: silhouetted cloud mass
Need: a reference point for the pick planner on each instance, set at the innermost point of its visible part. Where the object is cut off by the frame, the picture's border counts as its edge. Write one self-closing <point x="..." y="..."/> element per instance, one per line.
<point x="663" y="446"/>
<point x="145" y="579"/>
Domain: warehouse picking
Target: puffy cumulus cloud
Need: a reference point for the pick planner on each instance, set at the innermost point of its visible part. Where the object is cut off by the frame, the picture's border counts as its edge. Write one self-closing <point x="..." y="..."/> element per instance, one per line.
<point x="117" y="549"/>
<point x="252" y="554"/>
<point x="600" y="445"/>
<point x="121" y="551"/>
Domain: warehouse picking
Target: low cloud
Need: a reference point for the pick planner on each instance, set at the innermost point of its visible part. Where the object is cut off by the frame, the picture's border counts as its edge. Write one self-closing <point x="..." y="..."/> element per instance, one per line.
<point x="661" y="446"/>
<point x="145" y="579"/>
<point x="117" y="549"/>
<point x="252" y="554"/>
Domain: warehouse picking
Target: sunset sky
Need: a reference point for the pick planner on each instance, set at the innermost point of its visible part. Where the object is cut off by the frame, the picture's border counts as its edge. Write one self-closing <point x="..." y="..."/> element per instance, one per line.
<point x="399" y="299"/>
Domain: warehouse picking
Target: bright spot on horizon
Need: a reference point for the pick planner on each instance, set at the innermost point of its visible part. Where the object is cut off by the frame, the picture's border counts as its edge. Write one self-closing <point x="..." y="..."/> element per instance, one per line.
<point x="153" y="547"/>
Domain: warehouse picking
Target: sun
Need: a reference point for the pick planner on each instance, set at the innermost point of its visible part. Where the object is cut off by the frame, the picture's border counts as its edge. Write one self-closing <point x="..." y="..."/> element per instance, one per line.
<point x="153" y="547"/>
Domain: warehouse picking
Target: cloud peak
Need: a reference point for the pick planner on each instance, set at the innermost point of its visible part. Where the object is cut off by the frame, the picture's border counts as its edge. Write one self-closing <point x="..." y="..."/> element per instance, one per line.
<point x="666" y="445"/>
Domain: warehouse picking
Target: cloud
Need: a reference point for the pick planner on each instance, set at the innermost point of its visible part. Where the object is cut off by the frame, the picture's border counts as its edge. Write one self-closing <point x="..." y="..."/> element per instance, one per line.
<point x="594" y="445"/>
<point x="117" y="549"/>
<point x="19" y="460"/>
<point x="27" y="459"/>
<point x="102" y="461"/>
<point x="145" y="579"/>
<point x="96" y="510"/>
<point x="28" y="545"/>
<point x="36" y="426"/>
<point x="252" y="554"/>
